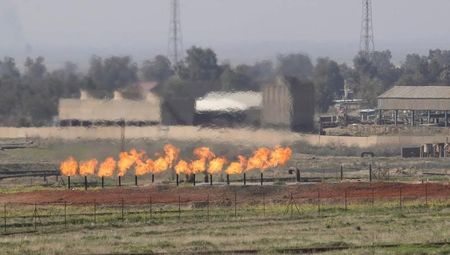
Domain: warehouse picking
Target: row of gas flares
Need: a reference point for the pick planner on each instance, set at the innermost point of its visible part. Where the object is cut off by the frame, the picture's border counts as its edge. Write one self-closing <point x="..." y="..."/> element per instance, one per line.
<point x="205" y="161"/>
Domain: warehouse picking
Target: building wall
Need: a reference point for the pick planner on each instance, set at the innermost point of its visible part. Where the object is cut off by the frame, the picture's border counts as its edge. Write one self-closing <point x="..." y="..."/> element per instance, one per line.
<point x="261" y="137"/>
<point x="110" y="110"/>
<point x="288" y="103"/>
<point x="276" y="106"/>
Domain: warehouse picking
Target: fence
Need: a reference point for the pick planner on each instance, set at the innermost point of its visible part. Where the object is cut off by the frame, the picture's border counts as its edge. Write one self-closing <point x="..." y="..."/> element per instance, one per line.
<point x="48" y="217"/>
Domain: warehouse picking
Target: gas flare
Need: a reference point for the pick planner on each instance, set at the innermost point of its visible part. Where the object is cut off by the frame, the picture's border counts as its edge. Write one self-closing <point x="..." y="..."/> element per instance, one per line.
<point x="198" y="166"/>
<point x="171" y="153"/>
<point x="204" y="153"/>
<point x="160" y="165"/>
<point x="127" y="160"/>
<point x="280" y="156"/>
<point x="107" y="167"/>
<point x="260" y="159"/>
<point x="237" y="167"/>
<point x="88" y="167"/>
<point x="183" y="167"/>
<point x="144" y="167"/>
<point x="216" y="165"/>
<point x="69" y="167"/>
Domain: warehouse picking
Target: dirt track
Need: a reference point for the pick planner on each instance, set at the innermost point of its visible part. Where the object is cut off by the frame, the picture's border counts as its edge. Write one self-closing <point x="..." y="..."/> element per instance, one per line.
<point x="248" y="194"/>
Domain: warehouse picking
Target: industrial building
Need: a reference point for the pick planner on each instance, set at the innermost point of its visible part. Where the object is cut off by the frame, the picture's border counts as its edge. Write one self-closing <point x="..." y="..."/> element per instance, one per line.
<point x="229" y="109"/>
<point x="415" y="105"/>
<point x="288" y="103"/>
<point x="88" y="110"/>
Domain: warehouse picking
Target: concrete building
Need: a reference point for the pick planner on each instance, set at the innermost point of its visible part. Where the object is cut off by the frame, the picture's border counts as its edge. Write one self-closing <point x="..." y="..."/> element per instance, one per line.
<point x="87" y="110"/>
<point x="418" y="104"/>
<point x="288" y="103"/>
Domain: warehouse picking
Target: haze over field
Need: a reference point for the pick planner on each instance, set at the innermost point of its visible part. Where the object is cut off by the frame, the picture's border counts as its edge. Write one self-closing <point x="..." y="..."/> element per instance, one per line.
<point x="240" y="31"/>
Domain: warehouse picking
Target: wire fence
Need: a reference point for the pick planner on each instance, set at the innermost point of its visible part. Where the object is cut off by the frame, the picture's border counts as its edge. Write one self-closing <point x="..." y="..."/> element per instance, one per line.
<point x="51" y="217"/>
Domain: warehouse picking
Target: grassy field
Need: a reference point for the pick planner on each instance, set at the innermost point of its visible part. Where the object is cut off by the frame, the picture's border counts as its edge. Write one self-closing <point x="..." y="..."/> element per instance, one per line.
<point x="384" y="229"/>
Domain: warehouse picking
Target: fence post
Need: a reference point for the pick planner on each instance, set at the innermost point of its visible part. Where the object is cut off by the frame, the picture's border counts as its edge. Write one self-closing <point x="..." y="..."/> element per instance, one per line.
<point x="342" y="173"/>
<point x="207" y="201"/>
<point x="34" y="216"/>
<point x="4" y="216"/>
<point x="370" y="172"/>
<point x="426" y="194"/>
<point x="65" y="214"/>
<point x="95" y="212"/>
<point x="373" y="197"/>
<point x="318" y="201"/>
<point x="122" y="211"/>
<point x="346" y="199"/>
<point x="235" y="206"/>
<point x="179" y="207"/>
<point x="401" y="202"/>
<point x="264" y="204"/>
<point x="151" y="208"/>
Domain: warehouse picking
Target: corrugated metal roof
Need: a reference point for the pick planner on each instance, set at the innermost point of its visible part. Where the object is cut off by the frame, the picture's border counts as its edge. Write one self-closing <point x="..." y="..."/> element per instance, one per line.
<point x="417" y="92"/>
<point x="229" y="101"/>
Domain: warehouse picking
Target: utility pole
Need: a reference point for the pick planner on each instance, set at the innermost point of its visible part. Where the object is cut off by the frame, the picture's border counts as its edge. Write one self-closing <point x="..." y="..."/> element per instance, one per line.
<point x="367" y="43"/>
<point x="175" y="47"/>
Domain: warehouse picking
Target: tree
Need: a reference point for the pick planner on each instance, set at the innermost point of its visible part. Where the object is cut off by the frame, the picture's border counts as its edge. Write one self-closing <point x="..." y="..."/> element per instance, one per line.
<point x="110" y="74"/>
<point x="328" y="83"/>
<point x="158" y="69"/>
<point x="295" y="65"/>
<point x="199" y="65"/>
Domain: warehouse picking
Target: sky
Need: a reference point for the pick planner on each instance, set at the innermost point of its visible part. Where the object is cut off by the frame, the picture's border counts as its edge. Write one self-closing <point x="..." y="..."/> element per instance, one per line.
<point x="238" y="30"/>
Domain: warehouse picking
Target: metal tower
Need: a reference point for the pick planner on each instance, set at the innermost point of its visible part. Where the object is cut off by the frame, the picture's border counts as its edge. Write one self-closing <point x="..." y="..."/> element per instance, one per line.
<point x="367" y="44"/>
<point x="175" y="48"/>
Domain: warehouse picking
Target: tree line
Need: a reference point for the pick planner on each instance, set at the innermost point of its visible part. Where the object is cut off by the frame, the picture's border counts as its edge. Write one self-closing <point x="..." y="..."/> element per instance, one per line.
<point x="30" y="97"/>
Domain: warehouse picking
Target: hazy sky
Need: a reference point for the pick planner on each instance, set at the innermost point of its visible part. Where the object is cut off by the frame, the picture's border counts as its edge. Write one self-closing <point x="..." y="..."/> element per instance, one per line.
<point x="239" y="30"/>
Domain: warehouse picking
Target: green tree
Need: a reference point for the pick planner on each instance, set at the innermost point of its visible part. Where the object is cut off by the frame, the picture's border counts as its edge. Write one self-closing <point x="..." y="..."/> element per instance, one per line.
<point x="199" y="65"/>
<point x="328" y="83"/>
<point x="158" y="69"/>
<point x="295" y="65"/>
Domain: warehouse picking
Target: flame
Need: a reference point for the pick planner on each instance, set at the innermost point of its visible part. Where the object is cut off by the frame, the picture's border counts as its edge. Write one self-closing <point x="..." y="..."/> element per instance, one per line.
<point x="280" y="156"/>
<point x="88" y="167"/>
<point x="198" y="166"/>
<point x="259" y="160"/>
<point x="171" y="153"/>
<point x="160" y="165"/>
<point x="127" y="160"/>
<point x="107" y="167"/>
<point x="204" y="153"/>
<point x="183" y="167"/>
<point x="237" y="167"/>
<point x="69" y="167"/>
<point x="144" y="167"/>
<point x="216" y="165"/>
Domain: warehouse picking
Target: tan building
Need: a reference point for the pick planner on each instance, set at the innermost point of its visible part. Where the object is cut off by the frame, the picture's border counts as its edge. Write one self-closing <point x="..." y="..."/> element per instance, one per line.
<point x="87" y="110"/>
<point x="288" y="103"/>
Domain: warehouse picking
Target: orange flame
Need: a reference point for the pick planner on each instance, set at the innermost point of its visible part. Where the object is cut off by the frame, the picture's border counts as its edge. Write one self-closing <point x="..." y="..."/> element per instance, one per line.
<point x="204" y="153"/>
<point x="237" y="167"/>
<point x="144" y="167"/>
<point x="198" y="166"/>
<point x="183" y="167"/>
<point x="160" y="165"/>
<point x="216" y="165"/>
<point x="107" y="167"/>
<point x="280" y="156"/>
<point x="69" y="167"/>
<point x="127" y="160"/>
<point x="260" y="159"/>
<point x="171" y="153"/>
<point x="88" y="167"/>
